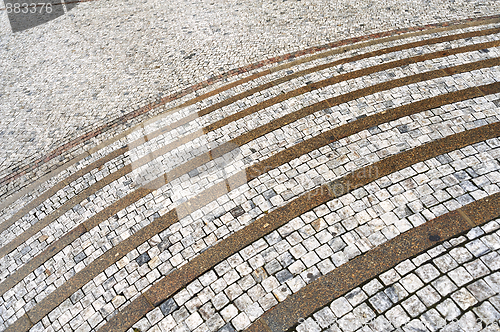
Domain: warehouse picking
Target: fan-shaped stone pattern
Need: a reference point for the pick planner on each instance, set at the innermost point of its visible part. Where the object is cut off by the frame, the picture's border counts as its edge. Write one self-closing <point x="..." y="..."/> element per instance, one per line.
<point x="207" y="216"/>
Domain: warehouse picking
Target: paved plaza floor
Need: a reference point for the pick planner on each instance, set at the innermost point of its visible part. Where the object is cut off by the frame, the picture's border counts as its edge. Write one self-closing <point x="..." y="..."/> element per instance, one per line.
<point x="257" y="166"/>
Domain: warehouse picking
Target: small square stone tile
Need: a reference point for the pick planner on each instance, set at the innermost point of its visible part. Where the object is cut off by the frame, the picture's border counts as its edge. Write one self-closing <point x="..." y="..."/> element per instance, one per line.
<point x="356" y="296"/>
<point x="413" y="306"/>
<point x="405" y="267"/>
<point x="340" y="307"/>
<point x="460" y="276"/>
<point x="380" y="302"/>
<point x="427" y="273"/>
<point x="372" y="287"/>
<point x="463" y="298"/>
<point x="444" y="285"/>
<point x="396" y="293"/>
<point x="433" y="320"/>
<point x="428" y="295"/>
<point x="477" y="248"/>
<point x="397" y="316"/>
<point x="411" y="283"/>
<point x="481" y="290"/>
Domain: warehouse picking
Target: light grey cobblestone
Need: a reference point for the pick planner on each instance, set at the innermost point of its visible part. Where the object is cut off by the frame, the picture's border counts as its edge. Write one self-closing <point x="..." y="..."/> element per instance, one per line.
<point x="134" y="80"/>
<point x="87" y="209"/>
<point x="178" y="259"/>
<point x="468" y="303"/>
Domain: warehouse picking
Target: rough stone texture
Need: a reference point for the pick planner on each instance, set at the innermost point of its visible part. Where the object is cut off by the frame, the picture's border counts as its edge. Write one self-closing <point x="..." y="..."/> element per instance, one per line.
<point x="144" y="52"/>
<point x="215" y="244"/>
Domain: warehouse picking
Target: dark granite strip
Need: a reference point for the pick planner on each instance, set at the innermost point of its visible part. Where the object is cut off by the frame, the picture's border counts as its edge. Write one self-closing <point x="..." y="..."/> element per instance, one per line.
<point x="262" y="167"/>
<point x="485" y="209"/>
<point x="4" y="225"/>
<point x="488" y="89"/>
<point x="60" y="185"/>
<point x="138" y="309"/>
<point x="178" y="279"/>
<point x="273" y="125"/>
<point x="343" y="279"/>
<point x="382" y="37"/>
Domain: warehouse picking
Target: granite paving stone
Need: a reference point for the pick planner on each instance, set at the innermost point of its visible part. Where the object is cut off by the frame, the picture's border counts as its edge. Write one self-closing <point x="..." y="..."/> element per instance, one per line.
<point x="202" y="166"/>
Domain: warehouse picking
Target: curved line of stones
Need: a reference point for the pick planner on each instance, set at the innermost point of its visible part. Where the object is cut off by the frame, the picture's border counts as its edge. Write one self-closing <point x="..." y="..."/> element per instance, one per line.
<point x="59" y="265"/>
<point x="234" y="108"/>
<point x="430" y="291"/>
<point x="104" y="171"/>
<point x="121" y="189"/>
<point x="240" y="289"/>
<point x="475" y="135"/>
<point x="303" y="66"/>
<point x="149" y="210"/>
<point x="150" y="276"/>
<point x="448" y="25"/>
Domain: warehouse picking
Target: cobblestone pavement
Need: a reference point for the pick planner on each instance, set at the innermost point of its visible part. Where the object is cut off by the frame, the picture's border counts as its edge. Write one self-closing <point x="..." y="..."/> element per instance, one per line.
<point x="452" y="287"/>
<point x="344" y="177"/>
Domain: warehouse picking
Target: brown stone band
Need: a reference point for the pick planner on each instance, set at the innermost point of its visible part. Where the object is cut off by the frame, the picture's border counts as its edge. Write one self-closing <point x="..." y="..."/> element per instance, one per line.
<point x="384" y="36"/>
<point x="180" y="278"/>
<point x="354" y="273"/>
<point x="281" y="158"/>
<point x="301" y="73"/>
<point x="6" y="224"/>
<point x="244" y="138"/>
<point x="257" y="169"/>
<point x="172" y="283"/>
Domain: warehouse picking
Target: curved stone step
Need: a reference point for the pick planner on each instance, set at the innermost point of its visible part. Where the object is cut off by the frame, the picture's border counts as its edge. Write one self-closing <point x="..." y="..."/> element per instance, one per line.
<point x="72" y="236"/>
<point x="471" y="71"/>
